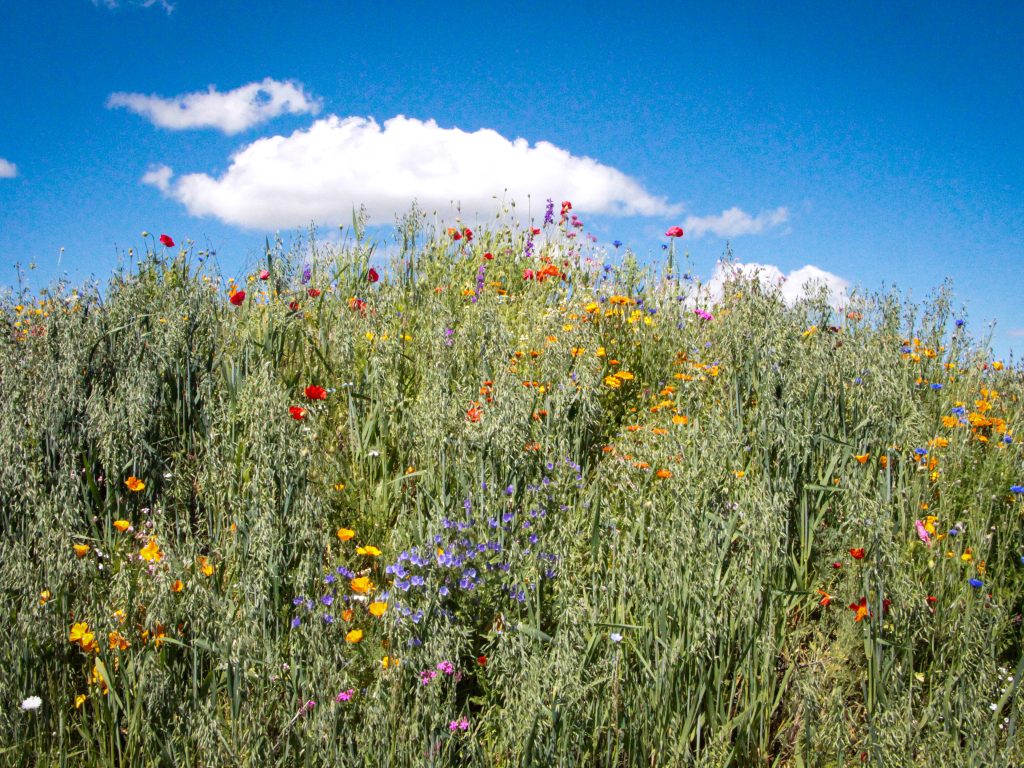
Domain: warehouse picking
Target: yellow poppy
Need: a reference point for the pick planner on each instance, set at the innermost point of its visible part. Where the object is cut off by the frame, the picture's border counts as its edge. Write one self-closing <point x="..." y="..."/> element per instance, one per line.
<point x="205" y="566"/>
<point x="122" y="525"/>
<point x="345" y="533"/>
<point x="862" y="458"/>
<point x="378" y="608"/>
<point x="369" y="550"/>
<point x="151" y="552"/>
<point x="44" y="596"/>
<point x="80" y="700"/>
<point x="361" y="585"/>
<point x="81" y="550"/>
<point x="177" y="586"/>
<point x="354" y="636"/>
<point x="77" y="632"/>
<point x="134" y="484"/>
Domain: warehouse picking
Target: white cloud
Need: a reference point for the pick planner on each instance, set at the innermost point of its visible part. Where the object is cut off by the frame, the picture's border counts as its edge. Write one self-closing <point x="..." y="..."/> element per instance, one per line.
<point x="230" y="112"/>
<point x="112" y="4"/>
<point x="735" y="222"/>
<point x="1017" y="332"/>
<point x="8" y="170"/>
<point x="320" y="173"/>
<point x="158" y="176"/>
<point x="792" y="287"/>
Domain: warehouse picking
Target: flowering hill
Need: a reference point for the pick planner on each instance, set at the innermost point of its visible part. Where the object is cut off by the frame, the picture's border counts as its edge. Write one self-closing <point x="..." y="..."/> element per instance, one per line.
<point x="501" y="503"/>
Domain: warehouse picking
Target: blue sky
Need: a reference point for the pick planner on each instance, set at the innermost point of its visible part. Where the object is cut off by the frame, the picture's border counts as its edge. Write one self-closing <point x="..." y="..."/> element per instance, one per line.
<point x="884" y="145"/>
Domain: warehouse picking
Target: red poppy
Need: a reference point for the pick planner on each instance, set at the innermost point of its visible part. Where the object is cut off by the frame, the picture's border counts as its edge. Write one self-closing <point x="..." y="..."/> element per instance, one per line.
<point x="314" y="292"/>
<point x="527" y="274"/>
<point x="481" y="660"/>
<point x="313" y="392"/>
<point x="357" y="304"/>
<point x="857" y="553"/>
<point x="488" y="255"/>
<point x="826" y="598"/>
<point x="837" y="565"/>
<point x="237" y="298"/>
<point x="454" y="233"/>
<point x="674" y="232"/>
<point x="535" y="230"/>
<point x="293" y="306"/>
<point x="166" y="241"/>
<point x="468" y="234"/>
<point x="372" y="275"/>
<point x="298" y="413"/>
<point x="474" y="414"/>
<point x="861" y="609"/>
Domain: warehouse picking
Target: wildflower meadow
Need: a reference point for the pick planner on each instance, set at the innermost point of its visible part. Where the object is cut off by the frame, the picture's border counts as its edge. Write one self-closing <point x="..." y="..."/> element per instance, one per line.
<point x="493" y="495"/>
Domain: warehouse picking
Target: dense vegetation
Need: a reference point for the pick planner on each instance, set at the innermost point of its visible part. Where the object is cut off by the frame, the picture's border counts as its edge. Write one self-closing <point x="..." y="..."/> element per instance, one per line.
<point x="512" y="503"/>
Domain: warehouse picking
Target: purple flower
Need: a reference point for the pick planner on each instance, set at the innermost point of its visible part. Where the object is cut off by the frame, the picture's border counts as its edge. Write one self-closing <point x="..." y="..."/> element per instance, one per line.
<point x="345" y="695"/>
<point x="549" y="212"/>
<point x="296" y="622"/>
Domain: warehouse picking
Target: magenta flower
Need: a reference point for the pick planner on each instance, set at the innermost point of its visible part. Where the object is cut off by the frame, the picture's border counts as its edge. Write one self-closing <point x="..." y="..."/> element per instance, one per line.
<point x="462" y="724"/>
<point x="345" y="695"/>
<point x="674" y="232"/>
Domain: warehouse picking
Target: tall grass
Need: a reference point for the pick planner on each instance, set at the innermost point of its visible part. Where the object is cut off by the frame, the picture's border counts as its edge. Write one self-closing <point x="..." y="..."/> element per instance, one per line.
<point x="658" y="511"/>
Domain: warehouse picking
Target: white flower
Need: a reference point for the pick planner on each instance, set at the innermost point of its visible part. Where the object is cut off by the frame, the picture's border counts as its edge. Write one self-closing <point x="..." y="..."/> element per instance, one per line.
<point x="32" y="702"/>
<point x="615" y="637"/>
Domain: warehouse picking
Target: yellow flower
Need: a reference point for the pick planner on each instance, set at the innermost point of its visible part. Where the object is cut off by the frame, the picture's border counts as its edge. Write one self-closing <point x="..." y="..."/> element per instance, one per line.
<point x="613" y="382"/>
<point x="739" y="473"/>
<point x="77" y="632"/>
<point x="361" y="585"/>
<point x="177" y="586"/>
<point x="81" y="550"/>
<point x="600" y="352"/>
<point x="664" y="474"/>
<point x="345" y="533"/>
<point x="117" y="641"/>
<point x="680" y="419"/>
<point x="80" y="700"/>
<point x="862" y="458"/>
<point x="378" y="608"/>
<point x="119" y="615"/>
<point x="591" y="307"/>
<point x="134" y="484"/>
<point x="354" y="636"/>
<point x="122" y="525"/>
<point x="389" y="661"/>
<point x="44" y="596"/>
<point x="99" y="678"/>
<point x="205" y="566"/>
<point x="369" y="550"/>
<point x="624" y="375"/>
<point x="339" y="487"/>
<point x="151" y="552"/>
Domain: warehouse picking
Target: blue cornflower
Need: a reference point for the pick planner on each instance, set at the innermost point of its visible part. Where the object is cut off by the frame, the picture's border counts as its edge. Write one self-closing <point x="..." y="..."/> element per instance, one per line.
<point x="936" y="386"/>
<point x="617" y="243"/>
<point x="1017" y="489"/>
<point x="327" y="599"/>
<point x="328" y="619"/>
<point x="959" y="323"/>
<point x="976" y="583"/>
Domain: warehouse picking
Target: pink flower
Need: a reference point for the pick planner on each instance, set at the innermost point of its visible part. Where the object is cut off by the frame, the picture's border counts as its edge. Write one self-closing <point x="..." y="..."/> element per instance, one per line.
<point x="345" y="695"/>
<point x="264" y="274"/>
<point x="527" y="274"/>
<point x="674" y="232"/>
<point x="922" y="533"/>
<point x="462" y="724"/>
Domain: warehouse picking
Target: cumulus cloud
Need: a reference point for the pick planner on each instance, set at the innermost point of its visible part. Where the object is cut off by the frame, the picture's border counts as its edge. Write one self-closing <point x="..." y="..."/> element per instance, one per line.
<point x="735" y="222"/>
<point x="8" y="170"/>
<point x="112" y="4"/>
<point x="231" y="112"/>
<point x="320" y="173"/>
<point x="158" y="176"/>
<point x="792" y="286"/>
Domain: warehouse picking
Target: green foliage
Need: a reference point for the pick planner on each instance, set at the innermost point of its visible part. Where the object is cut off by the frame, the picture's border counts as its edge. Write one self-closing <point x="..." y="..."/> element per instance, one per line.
<point x="658" y="511"/>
